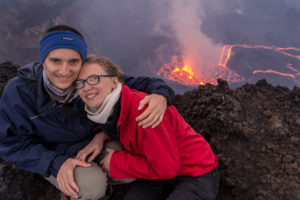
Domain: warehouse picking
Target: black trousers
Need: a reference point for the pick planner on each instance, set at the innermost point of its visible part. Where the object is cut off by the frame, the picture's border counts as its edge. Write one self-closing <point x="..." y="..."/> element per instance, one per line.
<point x="204" y="187"/>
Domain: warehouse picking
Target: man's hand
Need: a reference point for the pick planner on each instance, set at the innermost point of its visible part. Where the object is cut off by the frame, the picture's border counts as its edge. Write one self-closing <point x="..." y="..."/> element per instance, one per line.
<point x="65" y="177"/>
<point x="105" y="163"/>
<point x="153" y="115"/>
<point x="93" y="148"/>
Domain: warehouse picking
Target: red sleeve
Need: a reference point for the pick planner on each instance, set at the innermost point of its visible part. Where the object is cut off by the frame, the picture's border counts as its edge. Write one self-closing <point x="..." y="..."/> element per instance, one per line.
<point x="156" y="156"/>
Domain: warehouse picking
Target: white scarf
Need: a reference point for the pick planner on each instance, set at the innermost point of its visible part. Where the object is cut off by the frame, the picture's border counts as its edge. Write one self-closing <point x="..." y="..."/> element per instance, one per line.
<point x="106" y="109"/>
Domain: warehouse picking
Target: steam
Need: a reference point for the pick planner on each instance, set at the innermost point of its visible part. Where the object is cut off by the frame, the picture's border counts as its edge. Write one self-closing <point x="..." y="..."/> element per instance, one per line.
<point x="170" y="22"/>
<point x="185" y="20"/>
<point x="142" y="36"/>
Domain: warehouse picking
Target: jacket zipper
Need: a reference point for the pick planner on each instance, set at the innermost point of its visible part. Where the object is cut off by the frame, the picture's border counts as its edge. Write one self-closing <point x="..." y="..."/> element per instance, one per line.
<point x="118" y="134"/>
<point x="130" y="144"/>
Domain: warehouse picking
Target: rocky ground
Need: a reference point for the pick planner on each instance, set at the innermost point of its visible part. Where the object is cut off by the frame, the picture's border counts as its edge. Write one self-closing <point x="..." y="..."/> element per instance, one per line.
<point x="254" y="130"/>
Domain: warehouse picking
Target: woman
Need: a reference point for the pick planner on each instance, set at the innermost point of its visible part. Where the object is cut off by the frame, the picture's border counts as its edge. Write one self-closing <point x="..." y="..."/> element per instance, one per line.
<point x="171" y="160"/>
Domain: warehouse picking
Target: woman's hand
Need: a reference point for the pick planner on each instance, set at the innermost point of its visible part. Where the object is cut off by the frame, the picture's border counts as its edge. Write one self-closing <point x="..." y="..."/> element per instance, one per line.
<point x="93" y="149"/>
<point x="153" y="115"/>
<point x="65" y="177"/>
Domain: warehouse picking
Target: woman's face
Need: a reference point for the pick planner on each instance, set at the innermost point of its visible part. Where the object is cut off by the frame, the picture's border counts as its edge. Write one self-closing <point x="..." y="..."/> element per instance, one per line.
<point x="94" y="95"/>
<point x="62" y="67"/>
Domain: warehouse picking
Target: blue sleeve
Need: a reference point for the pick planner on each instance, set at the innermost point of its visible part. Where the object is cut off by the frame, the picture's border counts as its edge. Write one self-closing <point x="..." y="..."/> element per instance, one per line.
<point x="19" y="142"/>
<point x="151" y="86"/>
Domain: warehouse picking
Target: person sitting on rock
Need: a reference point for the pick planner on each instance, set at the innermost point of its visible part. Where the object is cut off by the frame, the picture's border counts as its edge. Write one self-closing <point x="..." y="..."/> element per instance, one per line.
<point x="170" y="161"/>
<point x="42" y="120"/>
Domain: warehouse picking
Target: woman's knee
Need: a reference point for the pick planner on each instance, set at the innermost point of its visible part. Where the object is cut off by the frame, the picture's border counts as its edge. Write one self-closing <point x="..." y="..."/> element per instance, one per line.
<point x="92" y="182"/>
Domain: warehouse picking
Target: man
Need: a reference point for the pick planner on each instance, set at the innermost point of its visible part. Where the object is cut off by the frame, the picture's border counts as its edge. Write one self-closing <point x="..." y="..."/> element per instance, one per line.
<point x="42" y="120"/>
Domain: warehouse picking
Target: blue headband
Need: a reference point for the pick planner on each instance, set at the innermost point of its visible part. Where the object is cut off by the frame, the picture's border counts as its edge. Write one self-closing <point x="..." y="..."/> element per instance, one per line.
<point x="62" y="39"/>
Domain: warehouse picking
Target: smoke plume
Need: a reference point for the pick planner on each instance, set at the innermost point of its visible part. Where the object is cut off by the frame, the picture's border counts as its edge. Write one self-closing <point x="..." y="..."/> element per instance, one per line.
<point x="185" y="20"/>
<point x="142" y="36"/>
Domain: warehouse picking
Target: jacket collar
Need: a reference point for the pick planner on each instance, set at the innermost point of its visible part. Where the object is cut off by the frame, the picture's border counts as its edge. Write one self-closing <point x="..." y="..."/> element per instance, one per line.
<point x="33" y="74"/>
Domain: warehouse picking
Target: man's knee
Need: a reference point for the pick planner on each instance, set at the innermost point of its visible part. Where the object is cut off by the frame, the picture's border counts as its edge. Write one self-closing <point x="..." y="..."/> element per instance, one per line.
<point x="92" y="182"/>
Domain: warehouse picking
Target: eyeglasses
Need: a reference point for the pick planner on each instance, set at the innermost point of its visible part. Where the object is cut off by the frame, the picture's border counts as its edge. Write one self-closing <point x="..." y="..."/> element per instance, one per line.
<point x="91" y="80"/>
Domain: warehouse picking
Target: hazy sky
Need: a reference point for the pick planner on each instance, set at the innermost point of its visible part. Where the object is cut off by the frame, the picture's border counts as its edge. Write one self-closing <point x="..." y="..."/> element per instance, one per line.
<point x="142" y="35"/>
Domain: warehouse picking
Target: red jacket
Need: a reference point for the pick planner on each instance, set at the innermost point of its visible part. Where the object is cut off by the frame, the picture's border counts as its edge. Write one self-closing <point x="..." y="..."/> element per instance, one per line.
<point x="170" y="149"/>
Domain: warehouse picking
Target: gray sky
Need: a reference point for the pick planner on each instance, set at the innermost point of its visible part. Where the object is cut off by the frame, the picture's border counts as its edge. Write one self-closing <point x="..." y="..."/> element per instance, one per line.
<point x="142" y="35"/>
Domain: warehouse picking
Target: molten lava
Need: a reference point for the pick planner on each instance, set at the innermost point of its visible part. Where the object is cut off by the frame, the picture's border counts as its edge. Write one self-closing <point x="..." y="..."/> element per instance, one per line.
<point x="285" y="51"/>
<point x="181" y="73"/>
<point x="187" y="75"/>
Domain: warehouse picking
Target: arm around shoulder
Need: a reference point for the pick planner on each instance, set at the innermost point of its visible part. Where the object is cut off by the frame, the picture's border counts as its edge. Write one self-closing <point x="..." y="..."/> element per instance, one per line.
<point x="151" y="86"/>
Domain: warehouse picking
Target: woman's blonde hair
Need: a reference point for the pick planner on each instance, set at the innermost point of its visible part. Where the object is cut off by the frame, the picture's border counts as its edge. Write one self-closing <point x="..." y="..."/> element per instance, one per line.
<point x="107" y="65"/>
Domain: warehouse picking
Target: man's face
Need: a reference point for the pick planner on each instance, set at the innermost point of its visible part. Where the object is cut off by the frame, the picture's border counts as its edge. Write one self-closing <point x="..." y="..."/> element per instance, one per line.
<point x="62" y="67"/>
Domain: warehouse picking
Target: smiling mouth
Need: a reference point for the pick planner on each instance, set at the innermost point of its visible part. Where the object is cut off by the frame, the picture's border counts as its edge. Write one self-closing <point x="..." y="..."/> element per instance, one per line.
<point x="64" y="79"/>
<point x="91" y="96"/>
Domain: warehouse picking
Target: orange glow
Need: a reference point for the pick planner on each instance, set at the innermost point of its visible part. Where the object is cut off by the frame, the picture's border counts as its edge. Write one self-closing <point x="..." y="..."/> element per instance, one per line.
<point x="179" y="72"/>
<point x="290" y="66"/>
<point x="283" y="51"/>
<point x="184" y="74"/>
<point x="270" y="71"/>
<point x="225" y="56"/>
<point x="226" y="53"/>
<point x="176" y="70"/>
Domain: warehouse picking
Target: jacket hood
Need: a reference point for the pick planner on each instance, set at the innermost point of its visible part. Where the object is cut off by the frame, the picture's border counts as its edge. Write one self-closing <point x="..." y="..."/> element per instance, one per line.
<point x="30" y="71"/>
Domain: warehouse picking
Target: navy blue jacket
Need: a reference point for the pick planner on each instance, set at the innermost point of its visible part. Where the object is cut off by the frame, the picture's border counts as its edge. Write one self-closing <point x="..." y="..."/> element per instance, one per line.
<point x="37" y="133"/>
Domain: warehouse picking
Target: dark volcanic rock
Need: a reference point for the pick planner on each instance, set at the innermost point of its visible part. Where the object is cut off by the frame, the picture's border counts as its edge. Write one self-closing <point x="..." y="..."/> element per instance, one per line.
<point x="7" y="71"/>
<point x="254" y="130"/>
<point x="16" y="184"/>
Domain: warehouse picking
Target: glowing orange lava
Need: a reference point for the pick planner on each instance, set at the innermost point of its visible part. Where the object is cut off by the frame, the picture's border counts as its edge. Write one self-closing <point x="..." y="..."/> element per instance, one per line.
<point x="273" y="72"/>
<point x="184" y="74"/>
<point x="226" y="53"/>
<point x="181" y="73"/>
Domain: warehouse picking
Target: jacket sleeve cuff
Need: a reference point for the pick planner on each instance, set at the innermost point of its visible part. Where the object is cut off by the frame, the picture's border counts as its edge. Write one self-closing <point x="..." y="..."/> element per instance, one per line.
<point x="169" y="94"/>
<point x="56" y="164"/>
